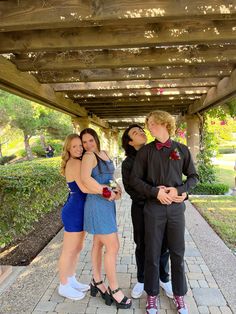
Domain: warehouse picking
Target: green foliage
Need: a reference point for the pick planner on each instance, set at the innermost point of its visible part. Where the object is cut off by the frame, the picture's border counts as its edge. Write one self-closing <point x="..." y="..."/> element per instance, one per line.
<point x="38" y="151"/>
<point x="21" y="153"/>
<point x="57" y="145"/>
<point x="6" y="159"/>
<point x="227" y="150"/>
<point x="205" y="166"/>
<point x="60" y="127"/>
<point x="210" y="189"/>
<point x="232" y="107"/>
<point x="27" y="191"/>
<point x="32" y="119"/>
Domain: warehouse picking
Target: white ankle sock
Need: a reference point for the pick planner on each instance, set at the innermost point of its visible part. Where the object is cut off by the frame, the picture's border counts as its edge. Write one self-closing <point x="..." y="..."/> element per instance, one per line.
<point x="77" y="285"/>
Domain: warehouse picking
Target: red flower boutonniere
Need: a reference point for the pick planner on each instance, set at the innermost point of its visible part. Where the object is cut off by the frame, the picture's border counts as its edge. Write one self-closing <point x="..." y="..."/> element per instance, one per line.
<point x="174" y="155"/>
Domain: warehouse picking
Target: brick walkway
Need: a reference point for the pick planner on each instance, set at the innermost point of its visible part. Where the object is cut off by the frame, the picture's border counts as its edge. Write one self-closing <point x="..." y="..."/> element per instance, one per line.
<point x="35" y="288"/>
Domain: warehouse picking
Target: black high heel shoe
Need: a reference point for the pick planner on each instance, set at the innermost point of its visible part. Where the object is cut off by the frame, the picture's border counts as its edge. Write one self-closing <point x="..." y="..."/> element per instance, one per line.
<point x="119" y="305"/>
<point x="94" y="289"/>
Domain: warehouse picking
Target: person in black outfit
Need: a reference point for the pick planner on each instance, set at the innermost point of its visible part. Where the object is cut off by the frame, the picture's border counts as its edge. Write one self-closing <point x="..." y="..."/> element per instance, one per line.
<point x="157" y="175"/>
<point x="133" y="139"/>
<point x="49" y="151"/>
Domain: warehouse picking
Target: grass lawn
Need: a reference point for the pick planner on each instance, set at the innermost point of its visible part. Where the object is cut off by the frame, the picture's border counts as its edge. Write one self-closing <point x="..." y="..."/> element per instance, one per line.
<point x="227" y="157"/>
<point x="225" y="174"/>
<point x="220" y="213"/>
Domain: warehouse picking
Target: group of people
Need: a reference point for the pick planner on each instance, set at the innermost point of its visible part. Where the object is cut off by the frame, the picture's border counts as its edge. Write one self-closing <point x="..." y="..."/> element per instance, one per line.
<point x="153" y="177"/>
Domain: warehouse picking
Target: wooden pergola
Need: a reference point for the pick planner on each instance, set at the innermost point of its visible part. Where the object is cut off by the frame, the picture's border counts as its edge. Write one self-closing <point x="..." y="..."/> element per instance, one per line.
<point x="112" y="62"/>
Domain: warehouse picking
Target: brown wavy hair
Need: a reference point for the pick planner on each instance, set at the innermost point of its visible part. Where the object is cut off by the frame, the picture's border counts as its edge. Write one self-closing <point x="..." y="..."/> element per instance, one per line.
<point x="66" y="151"/>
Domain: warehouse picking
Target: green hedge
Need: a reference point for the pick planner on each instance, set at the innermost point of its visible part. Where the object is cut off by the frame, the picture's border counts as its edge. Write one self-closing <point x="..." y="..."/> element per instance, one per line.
<point x="210" y="189"/>
<point x="27" y="191"/>
<point x="5" y="159"/>
<point x="227" y="150"/>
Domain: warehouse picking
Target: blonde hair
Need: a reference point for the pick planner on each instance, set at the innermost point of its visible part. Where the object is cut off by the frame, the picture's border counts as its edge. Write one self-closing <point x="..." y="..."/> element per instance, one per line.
<point x="66" y="151"/>
<point x="163" y="117"/>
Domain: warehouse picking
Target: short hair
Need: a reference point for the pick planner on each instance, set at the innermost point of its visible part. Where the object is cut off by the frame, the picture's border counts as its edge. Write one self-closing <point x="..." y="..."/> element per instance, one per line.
<point x="162" y="117"/>
<point x="94" y="135"/>
<point x="66" y="151"/>
<point x="129" y="150"/>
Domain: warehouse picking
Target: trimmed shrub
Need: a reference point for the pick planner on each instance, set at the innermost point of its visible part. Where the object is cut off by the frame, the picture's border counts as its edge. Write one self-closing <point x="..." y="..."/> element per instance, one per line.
<point x="27" y="191"/>
<point x="227" y="150"/>
<point x="210" y="189"/>
<point x="38" y="151"/>
<point x="57" y="145"/>
<point x="5" y="159"/>
<point x="21" y="153"/>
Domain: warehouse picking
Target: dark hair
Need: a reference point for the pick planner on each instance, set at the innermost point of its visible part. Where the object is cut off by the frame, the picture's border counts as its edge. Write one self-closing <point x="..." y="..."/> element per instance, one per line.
<point x="94" y="135"/>
<point x="129" y="150"/>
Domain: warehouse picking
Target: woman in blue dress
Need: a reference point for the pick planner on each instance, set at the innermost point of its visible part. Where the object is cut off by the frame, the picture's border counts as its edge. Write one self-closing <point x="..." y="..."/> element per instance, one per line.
<point x="100" y="218"/>
<point x="72" y="216"/>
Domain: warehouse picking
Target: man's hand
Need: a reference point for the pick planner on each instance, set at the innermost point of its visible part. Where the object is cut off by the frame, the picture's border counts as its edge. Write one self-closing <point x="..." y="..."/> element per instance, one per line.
<point x="172" y="192"/>
<point x="180" y="199"/>
<point x="163" y="196"/>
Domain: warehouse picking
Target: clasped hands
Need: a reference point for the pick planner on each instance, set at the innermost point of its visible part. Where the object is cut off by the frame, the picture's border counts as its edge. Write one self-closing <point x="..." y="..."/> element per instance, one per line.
<point x="115" y="193"/>
<point x="167" y="195"/>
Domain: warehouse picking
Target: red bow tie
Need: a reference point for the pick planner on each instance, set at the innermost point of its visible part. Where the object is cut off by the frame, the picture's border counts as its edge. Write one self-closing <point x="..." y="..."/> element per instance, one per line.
<point x="160" y="145"/>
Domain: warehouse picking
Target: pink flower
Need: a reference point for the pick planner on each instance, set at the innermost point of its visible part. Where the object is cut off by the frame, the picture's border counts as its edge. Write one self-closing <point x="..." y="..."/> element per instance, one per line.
<point x="174" y="155"/>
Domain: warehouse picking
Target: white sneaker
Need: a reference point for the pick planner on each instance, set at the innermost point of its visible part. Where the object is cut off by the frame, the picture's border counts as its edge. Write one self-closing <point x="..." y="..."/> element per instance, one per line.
<point x="137" y="290"/>
<point x="78" y="285"/>
<point x="167" y="287"/>
<point x="68" y="292"/>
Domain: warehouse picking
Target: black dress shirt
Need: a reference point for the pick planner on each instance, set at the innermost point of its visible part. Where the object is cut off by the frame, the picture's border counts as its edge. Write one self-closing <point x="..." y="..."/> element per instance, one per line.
<point x="154" y="167"/>
<point x="126" y="169"/>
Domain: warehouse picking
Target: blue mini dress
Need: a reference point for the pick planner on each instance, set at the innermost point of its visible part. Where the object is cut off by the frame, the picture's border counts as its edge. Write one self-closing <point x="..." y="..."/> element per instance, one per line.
<point x="72" y="214"/>
<point x="99" y="213"/>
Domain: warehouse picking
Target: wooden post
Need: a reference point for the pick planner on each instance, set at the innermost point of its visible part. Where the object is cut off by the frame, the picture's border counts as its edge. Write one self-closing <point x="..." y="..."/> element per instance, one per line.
<point x="193" y="124"/>
<point x="80" y="123"/>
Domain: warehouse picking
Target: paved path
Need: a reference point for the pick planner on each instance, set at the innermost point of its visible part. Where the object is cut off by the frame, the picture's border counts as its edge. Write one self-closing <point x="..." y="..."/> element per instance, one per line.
<point x="210" y="270"/>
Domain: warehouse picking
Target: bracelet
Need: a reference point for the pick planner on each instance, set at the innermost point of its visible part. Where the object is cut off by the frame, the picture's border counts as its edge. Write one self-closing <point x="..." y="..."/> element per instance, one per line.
<point x="106" y="192"/>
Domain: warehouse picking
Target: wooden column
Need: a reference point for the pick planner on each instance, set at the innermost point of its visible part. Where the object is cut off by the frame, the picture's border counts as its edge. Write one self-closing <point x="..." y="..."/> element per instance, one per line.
<point x="106" y="140"/>
<point x="80" y="123"/>
<point x="115" y="147"/>
<point x="193" y="139"/>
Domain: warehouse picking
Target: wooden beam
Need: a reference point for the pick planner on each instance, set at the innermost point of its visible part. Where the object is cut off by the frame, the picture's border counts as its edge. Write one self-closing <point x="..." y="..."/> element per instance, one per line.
<point x="113" y="106"/>
<point x="140" y="92"/>
<point x="136" y="84"/>
<point x="135" y="114"/>
<point x="223" y="92"/>
<point x="37" y="14"/>
<point x="126" y="58"/>
<point x="160" y="72"/>
<point x="26" y="85"/>
<point x="105" y="37"/>
<point x="98" y="121"/>
<point x="137" y="99"/>
<point x="125" y="124"/>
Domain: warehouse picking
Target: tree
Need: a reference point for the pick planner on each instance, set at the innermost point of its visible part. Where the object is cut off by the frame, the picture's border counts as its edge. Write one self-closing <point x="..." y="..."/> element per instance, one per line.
<point x="21" y="115"/>
<point x="216" y="125"/>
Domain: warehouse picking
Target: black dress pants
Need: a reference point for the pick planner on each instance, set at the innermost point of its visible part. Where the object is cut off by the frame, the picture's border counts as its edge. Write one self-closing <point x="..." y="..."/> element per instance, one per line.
<point x="137" y="214"/>
<point x="161" y="219"/>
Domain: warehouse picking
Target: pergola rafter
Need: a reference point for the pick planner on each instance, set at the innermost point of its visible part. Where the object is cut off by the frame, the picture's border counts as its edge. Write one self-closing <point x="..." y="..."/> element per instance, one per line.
<point x="119" y="59"/>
